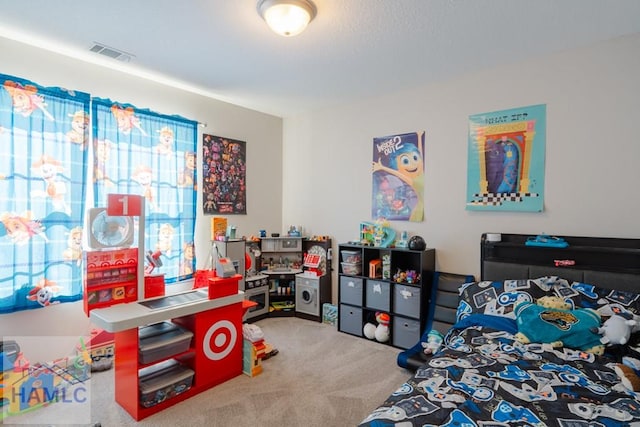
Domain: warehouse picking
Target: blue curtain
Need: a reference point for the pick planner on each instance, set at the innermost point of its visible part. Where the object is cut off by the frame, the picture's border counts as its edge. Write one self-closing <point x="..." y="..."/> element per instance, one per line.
<point x="43" y="166"/>
<point x="141" y="152"/>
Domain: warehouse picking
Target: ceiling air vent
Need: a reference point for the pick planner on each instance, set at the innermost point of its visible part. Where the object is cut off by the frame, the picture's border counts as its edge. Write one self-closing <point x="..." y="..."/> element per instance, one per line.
<point x="111" y="52"/>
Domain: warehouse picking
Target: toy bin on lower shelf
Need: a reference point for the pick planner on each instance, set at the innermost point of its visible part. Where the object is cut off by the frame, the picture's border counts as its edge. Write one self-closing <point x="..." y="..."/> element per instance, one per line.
<point x="351" y="319"/>
<point x="163" y="381"/>
<point x="162" y="340"/>
<point x="406" y="332"/>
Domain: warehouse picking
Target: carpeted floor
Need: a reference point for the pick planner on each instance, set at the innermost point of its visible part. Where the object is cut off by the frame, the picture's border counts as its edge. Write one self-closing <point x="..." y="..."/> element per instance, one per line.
<point x="320" y="377"/>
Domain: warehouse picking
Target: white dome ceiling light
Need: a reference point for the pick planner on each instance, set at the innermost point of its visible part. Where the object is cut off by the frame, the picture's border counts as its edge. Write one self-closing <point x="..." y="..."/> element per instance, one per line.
<point x="287" y="17"/>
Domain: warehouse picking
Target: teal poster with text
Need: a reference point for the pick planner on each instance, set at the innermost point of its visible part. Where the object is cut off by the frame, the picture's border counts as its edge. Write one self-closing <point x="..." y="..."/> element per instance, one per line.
<point x="505" y="169"/>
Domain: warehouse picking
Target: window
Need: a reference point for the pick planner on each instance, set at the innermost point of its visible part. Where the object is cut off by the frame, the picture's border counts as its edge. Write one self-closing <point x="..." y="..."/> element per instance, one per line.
<point x="141" y="152"/>
<point x="43" y="164"/>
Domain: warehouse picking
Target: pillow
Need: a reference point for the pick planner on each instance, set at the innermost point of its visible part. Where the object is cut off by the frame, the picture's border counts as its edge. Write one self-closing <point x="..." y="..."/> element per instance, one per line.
<point x="612" y="301"/>
<point x="584" y="295"/>
<point x="577" y="294"/>
<point x="499" y="298"/>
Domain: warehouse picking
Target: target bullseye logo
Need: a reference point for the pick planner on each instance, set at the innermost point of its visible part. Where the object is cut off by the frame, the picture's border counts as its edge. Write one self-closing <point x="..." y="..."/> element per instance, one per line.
<point x="219" y="340"/>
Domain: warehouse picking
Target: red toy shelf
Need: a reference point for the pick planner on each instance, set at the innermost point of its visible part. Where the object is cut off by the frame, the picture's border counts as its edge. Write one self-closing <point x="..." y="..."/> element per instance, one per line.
<point x="110" y="277"/>
<point x="183" y="357"/>
<point x="213" y="354"/>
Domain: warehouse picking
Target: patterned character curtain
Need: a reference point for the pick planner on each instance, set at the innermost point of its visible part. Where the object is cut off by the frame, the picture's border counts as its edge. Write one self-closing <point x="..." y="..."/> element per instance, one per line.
<point x="44" y="134"/>
<point x="141" y="152"/>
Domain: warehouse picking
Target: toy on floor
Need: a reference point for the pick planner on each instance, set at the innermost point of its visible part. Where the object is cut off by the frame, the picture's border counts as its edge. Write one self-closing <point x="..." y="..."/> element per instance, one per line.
<point x="433" y="343"/>
<point x="101" y="347"/>
<point x="269" y="352"/>
<point x="252" y="332"/>
<point x="381" y="331"/>
<point x="255" y="350"/>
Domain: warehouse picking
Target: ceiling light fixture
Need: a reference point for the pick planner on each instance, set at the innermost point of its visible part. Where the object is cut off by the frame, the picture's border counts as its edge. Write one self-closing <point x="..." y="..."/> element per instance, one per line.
<point x="287" y="17"/>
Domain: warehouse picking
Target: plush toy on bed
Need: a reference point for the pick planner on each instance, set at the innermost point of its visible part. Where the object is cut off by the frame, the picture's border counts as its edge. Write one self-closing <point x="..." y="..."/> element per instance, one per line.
<point x="551" y="320"/>
<point x="628" y="377"/>
<point x="616" y="330"/>
<point x="433" y="343"/>
<point x="629" y="373"/>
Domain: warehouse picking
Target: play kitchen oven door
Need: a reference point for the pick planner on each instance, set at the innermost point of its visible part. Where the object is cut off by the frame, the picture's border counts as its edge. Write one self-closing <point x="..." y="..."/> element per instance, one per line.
<point x="259" y="295"/>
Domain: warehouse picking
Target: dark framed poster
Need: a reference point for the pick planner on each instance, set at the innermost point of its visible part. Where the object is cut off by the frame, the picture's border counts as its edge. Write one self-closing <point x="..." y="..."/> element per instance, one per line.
<point x="505" y="170"/>
<point x="398" y="177"/>
<point x="224" y="175"/>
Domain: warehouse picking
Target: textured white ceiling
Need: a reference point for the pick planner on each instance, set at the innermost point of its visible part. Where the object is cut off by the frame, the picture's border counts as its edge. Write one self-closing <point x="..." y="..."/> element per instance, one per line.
<point x="354" y="49"/>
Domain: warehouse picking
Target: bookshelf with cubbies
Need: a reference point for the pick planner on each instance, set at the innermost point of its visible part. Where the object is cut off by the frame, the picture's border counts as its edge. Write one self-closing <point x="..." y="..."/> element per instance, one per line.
<point x="392" y="281"/>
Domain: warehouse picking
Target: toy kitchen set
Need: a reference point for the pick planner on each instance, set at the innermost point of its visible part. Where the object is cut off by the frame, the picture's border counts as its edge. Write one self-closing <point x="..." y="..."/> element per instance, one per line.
<point x="286" y="275"/>
<point x="167" y="348"/>
<point x="292" y="276"/>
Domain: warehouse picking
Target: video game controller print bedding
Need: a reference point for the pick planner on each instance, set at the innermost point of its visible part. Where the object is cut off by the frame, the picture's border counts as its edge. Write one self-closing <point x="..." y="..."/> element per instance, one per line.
<point x="483" y="377"/>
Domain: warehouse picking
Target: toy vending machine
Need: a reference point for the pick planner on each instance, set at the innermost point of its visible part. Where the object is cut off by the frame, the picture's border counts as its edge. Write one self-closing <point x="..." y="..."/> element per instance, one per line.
<point x="313" y="285"/>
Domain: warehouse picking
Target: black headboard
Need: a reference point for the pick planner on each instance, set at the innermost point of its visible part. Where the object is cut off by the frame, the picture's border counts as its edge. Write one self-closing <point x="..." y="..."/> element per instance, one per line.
<point x="611" y="263"/>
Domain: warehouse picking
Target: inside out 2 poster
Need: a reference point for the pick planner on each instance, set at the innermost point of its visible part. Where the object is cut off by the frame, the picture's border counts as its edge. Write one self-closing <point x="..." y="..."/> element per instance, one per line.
<point x="398" y="177"/>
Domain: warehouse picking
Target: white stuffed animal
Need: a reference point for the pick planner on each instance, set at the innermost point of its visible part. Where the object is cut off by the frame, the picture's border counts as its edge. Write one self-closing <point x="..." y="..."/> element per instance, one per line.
<point x="616" y="330"/>
<point x="615" y="308"/>
<point x="369" y="331"/>
<point x="381" y="331"/>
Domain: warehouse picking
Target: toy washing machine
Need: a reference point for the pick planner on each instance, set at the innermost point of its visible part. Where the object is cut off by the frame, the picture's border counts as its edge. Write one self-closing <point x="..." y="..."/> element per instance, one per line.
<point x="307" y="295"/>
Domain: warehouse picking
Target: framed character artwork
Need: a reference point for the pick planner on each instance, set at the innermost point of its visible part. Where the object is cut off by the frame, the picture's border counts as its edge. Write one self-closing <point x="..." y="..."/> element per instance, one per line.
<point x="505" y="168"/>
<point x="224" y="175"/>
<point x="398" y="177"/>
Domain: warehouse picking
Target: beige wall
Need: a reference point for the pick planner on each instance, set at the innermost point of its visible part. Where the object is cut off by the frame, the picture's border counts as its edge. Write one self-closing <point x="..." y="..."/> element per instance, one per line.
<point x="592" y="152"/>
<point x="262" y="132"/>
<point x="315" y="169"/>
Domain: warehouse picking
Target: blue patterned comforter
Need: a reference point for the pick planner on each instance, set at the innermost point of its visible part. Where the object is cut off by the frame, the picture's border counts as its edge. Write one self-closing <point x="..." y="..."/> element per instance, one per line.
<point x="483" y="377"/>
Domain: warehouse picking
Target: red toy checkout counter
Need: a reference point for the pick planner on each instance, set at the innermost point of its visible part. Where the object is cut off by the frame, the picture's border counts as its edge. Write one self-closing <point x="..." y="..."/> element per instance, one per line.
<point x="213" y="354"/>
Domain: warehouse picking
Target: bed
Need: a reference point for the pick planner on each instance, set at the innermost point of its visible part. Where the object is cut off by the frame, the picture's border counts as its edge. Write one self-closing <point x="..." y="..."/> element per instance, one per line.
<point x="483" y="376"/>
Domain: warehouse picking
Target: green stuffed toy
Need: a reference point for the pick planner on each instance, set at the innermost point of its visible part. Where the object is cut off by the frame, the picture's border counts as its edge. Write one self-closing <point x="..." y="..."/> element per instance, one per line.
<point x="551" y="320"/>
